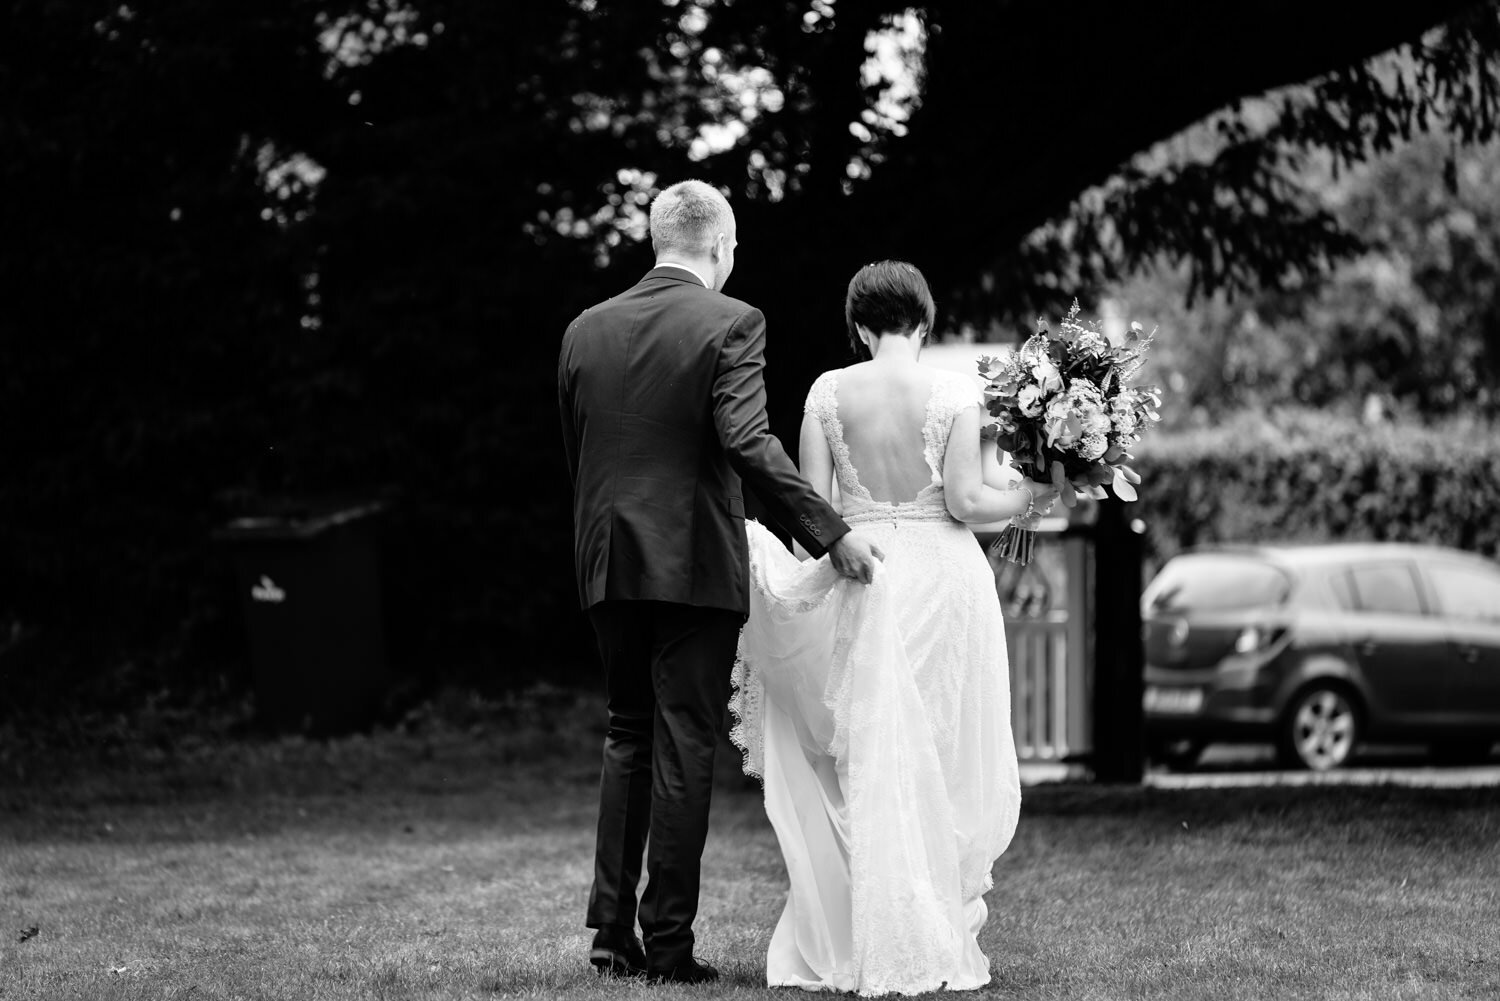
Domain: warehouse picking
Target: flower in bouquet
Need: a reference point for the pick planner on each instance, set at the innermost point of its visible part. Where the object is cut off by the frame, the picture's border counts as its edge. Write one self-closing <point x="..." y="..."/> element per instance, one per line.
<point x="1063" y="407"/>
<point x="1036" y="364"/>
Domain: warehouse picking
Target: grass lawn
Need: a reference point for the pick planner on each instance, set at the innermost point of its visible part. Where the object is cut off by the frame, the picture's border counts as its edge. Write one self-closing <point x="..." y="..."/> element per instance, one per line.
<point x="453" y="861"/>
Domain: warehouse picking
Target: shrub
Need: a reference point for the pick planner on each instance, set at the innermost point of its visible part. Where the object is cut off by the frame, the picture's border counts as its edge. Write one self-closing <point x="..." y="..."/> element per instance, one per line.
<point x="1305" y="476"/>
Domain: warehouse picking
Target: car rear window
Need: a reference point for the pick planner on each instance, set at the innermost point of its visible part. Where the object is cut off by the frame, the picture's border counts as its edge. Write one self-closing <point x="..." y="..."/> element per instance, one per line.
<point x="1466" y="592"/>
<point x="1206" y="581"/>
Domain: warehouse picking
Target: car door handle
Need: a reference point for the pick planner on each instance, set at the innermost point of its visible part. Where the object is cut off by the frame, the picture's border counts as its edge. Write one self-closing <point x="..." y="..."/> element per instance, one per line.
<point x="1470" y="654"/>
<point x="1367" y="648"/>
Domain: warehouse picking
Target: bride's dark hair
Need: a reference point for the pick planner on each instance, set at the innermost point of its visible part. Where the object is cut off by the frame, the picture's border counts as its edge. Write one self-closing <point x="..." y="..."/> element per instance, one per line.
<point x="887" y="297"/>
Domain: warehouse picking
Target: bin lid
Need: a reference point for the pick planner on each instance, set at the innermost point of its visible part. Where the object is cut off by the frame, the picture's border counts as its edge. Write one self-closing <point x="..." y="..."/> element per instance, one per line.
<point x="304" y="520"/>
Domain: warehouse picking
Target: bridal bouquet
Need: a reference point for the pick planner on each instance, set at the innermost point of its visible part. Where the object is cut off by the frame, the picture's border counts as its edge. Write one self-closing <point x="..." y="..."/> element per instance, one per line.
<point x="1064" y="409"/>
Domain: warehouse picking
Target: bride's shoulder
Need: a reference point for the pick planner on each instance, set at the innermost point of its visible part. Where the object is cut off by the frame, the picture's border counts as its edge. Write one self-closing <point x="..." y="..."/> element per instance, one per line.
<point x="827" y="377"/>
<point x="830" y="377"/>
<point x="823" y="390"/>
<point x="943" y="374"/>
<point x="959" y="389"/>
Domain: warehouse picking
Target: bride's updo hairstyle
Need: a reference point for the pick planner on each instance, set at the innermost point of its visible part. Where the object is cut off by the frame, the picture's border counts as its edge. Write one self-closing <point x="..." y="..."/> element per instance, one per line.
<point x="887" y="297"/>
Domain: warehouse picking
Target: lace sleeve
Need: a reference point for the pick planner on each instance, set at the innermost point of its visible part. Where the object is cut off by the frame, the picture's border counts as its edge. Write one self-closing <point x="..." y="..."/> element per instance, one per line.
<point x="955" y="393"/>
<point x="822" y="396"/>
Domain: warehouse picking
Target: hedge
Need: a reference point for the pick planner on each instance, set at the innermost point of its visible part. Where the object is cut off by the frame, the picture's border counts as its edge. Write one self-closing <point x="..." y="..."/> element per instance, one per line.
<point x="1313" y="477"/>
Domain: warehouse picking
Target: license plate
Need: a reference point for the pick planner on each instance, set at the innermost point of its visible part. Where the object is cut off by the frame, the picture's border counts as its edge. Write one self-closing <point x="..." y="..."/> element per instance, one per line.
<point x="1173" y="700"/>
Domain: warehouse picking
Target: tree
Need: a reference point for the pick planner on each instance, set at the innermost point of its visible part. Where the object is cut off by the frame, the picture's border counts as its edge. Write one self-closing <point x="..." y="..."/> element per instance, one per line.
<point x="146" y="299"/>
<point x="347" y="234"/>
<point x="1409" y="326"/>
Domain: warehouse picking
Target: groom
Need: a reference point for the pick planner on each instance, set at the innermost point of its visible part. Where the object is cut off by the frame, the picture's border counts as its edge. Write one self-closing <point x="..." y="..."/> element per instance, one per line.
<point x="662" y="395"/>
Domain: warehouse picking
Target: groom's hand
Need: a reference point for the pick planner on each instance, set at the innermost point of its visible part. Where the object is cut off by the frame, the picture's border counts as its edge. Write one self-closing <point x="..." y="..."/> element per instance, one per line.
<point x="855" y="557"/>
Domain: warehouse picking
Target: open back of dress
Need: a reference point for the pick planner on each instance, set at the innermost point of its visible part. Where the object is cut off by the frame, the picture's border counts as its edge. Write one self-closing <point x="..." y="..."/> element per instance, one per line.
<point x="881" y="416"/>
<point x="888" y="439"/>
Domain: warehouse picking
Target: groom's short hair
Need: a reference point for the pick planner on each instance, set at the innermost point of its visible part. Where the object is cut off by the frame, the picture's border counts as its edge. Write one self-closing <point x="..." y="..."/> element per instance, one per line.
<point x="687" y="216"/>
<point x="888" y="297"/>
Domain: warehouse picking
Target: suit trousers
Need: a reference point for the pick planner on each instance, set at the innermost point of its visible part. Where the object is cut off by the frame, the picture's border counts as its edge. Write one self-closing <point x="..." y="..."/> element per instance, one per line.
<point x="667" y="669"/>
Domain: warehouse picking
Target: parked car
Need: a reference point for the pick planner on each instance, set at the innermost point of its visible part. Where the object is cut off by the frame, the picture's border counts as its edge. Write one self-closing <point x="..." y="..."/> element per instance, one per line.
<point x="1316" y="648"/>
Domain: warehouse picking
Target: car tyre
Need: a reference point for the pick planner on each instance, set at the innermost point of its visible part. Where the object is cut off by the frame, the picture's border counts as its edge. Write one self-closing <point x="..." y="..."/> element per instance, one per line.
<point x="1319" y="729"/>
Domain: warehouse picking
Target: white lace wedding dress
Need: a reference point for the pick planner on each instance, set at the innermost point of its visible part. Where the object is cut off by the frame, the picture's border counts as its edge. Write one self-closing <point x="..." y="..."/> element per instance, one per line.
<point x="878" y="721"/>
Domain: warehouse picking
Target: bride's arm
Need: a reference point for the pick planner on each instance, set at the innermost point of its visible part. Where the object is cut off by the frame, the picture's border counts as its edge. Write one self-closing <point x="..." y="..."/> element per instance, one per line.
<point x="815" y="462"/>
<point x="972" y="489"/>
<point x="996" y="467"/>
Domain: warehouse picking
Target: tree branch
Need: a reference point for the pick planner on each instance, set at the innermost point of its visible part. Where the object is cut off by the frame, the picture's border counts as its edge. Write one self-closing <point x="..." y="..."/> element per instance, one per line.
<point x="1030" y="103"/>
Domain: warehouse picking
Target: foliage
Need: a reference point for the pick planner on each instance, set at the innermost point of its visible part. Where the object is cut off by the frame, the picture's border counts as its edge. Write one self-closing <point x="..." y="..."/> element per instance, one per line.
<point x="1229" y="199"/>
<point x="1410" y="326"/>
<point x="1307" y="476"/>
<point x="223" y="306"/>
<point x="323" y="249"/>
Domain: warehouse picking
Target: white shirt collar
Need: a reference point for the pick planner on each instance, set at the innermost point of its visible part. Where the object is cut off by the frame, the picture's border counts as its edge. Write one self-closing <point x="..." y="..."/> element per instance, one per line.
<point x="684" y="267"/>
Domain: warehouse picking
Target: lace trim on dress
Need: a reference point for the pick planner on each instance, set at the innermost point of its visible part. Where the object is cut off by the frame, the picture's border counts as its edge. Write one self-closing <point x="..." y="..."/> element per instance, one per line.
<point x="747" y="706"/>
<point x="823" y="403"/>
<point x="951" y="393"/>
<point x="779" y="595"/>
<point x="931" y="510"/>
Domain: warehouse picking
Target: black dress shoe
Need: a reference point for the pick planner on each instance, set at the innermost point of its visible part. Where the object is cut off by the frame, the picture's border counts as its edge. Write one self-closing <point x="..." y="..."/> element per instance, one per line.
<point x="617" y="952"/>
<point x="689" y="972"/>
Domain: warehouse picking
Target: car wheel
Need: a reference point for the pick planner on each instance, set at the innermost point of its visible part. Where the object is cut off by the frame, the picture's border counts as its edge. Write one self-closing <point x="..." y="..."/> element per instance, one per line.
<point x="1320" y="729"/>
<point x="1178" y="755"/>
<point x="1461" y="752"/>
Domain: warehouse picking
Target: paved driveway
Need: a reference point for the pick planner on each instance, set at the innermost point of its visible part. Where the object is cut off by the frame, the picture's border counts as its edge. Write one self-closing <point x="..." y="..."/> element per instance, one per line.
<point x="1225" y="765"/>
<point x="1437" y="778"/>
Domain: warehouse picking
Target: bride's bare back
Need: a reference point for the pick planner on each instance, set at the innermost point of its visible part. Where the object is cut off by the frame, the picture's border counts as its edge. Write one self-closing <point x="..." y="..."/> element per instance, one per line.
<point x="883" y="409"/>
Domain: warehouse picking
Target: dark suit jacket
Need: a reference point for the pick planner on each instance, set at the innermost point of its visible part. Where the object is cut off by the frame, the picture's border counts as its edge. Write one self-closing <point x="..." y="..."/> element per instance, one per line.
<point x="663" y="405"/>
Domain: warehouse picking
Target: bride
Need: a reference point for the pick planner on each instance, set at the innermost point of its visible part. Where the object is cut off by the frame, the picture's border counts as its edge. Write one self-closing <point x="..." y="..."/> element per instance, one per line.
<point x="877" y="717"/>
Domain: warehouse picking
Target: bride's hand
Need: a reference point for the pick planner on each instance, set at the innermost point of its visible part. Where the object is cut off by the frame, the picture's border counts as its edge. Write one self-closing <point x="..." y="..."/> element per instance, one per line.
<point x="1043" y="494"/>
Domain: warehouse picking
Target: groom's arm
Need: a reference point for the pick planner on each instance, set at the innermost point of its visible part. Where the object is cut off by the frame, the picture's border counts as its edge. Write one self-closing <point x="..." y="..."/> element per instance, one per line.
<point x="754" y="452"/>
